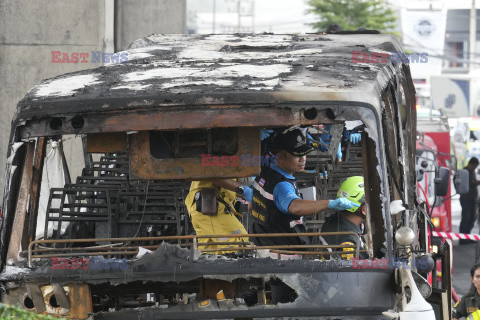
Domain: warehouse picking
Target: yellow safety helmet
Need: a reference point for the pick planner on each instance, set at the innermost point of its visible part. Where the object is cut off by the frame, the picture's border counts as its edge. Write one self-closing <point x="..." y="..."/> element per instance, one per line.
<point x="353" y="189"/>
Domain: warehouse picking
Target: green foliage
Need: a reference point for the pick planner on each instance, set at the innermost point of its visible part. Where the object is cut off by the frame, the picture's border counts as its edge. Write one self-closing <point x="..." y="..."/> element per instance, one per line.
<point x="8" y="312"/>
<point x="353" y="14"/>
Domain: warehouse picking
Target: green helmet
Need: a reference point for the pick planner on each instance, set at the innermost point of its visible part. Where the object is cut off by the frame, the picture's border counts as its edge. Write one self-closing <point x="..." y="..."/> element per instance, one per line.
<point x="353" y="189"/>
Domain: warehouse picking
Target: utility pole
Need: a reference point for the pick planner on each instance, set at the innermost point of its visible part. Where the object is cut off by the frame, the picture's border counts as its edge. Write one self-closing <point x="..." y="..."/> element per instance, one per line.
<point x="253" y="16"/>
<point x="243" y="9"/>
<point x="214" y="15"/>
<point x="473" y="35"/>
<point x="239" y="15"/>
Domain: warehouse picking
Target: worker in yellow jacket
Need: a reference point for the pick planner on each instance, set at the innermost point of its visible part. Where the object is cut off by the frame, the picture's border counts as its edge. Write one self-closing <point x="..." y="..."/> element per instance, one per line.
<point x="211" y="209"/>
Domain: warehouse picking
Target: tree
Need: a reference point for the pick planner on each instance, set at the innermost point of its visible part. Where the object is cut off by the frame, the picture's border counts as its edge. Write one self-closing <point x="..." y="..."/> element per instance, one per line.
<point x="353" y="14"/>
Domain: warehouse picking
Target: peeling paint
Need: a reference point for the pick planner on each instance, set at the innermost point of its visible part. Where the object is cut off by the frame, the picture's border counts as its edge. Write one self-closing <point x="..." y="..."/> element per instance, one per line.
<point x="135" y="86"/>
<point x="65" y="86"/>
<point x="234" y="64"/>
<point x="13" y="271"/>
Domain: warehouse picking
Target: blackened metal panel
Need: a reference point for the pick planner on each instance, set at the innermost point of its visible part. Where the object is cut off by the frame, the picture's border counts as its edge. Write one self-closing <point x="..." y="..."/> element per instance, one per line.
<point x="15" y="243"/>
<point x="35" y="293"/>
<point x="375" y="222"/>
<point x="277" y="313"/>
<point x="108" y="142"/>
<point x="339" y="294"/>
<point x="37" y="172"/>
<point x="144" y="166"/>
<point x="14" y="175"/>
<point x="166" y="118"/>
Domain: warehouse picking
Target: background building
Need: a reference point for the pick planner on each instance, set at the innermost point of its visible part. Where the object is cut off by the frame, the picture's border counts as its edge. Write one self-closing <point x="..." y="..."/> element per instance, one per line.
<point x="230" y="16"/>
<point x="31" y="30"/>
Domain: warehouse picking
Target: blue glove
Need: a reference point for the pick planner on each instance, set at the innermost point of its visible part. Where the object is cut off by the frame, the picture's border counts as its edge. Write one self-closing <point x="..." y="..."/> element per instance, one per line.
<point x="355" y="138"/>
<point x="316" y="143"/>
<point x="265" y="133"/>
<point x="339" y="151"/>
<point x="324" y="138"/>
<point x="310" y="139"/>
<point x="248" y="193"/>
<point x="323" y="148"/>
<point x="341" y="204"/>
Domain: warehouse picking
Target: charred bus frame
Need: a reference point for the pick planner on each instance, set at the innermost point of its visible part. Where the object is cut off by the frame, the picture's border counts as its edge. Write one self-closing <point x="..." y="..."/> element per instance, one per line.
<point x="197" y="84"/>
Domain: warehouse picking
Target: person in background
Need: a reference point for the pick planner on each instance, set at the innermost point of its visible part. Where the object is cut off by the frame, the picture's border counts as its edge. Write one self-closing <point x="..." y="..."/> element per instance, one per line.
<point x="469" y="305"/>
<point x="277" y="206"/>
<point x="468" y="201"/>
<point x="350" y="219"/>
<point x="348" y="136"/>
<point x="211" y="207"/>
<point x="219" y="217"/>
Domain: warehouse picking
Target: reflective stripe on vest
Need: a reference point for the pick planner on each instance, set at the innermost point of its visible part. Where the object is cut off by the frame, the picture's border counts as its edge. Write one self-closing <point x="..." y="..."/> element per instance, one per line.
<point x="293" y="223"/>
<point x="262" y="191"/>
<point x="267" y="217"/>
<point x="474" y="316"/>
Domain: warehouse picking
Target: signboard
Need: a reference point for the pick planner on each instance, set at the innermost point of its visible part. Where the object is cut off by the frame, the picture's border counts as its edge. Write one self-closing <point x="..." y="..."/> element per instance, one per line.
<point x="424" y="31"/>
<point x="452" y="95"/>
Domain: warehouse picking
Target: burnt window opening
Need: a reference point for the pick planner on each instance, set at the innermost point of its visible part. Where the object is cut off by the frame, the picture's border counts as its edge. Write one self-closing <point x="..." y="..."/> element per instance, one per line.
<point x="247" y="292"/>
<point x="104" y="200"/>
<point x="192" y="143"/>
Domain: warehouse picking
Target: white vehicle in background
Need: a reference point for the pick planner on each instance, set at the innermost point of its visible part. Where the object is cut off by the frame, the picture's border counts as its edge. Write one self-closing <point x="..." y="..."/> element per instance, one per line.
<point x="456" y="94"/>
<point x="465" y="133"/>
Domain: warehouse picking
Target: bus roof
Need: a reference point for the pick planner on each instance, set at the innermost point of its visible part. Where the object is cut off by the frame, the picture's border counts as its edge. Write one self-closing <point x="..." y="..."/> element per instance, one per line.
<point x="186" y="70"/>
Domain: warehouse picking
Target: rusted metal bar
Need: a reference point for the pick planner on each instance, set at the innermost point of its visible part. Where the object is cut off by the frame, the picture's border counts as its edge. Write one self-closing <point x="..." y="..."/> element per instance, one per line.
<point x="308" y="253"/>
<point x="35" y="293"/>
<point x="15" y="243"/>
<point x="222" y="243"/>
<point x="61" y="296"/>
<point x="297" y="246"/>
<point x="195" y="238"/>
<point x="153" y="247"/>
<point x="275" y="249"/>
<point x="37" y="172"/>
<point x="86" y="249"/>
<point x="367" y="178"/>
<point x="240" y="235"/>
<point x="121" y="249"/>
<point x="217" y="116"/>
<point x="79" y="254"/>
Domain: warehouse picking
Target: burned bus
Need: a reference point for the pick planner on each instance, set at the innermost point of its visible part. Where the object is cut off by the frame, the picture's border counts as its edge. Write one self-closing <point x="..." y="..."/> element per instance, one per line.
<point x="94" y="221"/>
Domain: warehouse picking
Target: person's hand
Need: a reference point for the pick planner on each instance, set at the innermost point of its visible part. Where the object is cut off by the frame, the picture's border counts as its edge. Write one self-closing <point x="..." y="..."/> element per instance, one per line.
<point x="339" y="151"/>
<point x="265" y="133"/>
<point x="355" y="138"/>
<point x="311" y="141"/>
<point x="323" y="145"/>
<point x="248" y="193"/>
<point x="341" y="204"/>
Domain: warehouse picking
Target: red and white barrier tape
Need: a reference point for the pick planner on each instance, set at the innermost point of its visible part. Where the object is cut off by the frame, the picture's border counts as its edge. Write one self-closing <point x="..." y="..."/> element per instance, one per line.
<point x="455" y="236"/>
